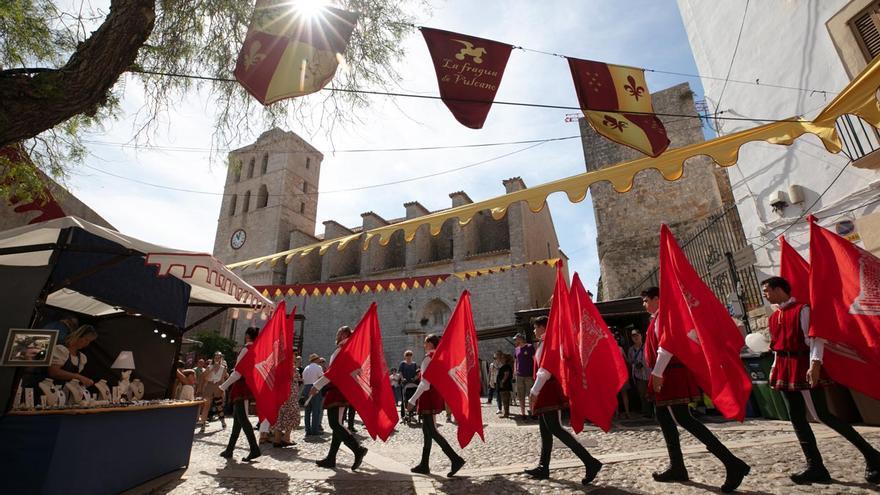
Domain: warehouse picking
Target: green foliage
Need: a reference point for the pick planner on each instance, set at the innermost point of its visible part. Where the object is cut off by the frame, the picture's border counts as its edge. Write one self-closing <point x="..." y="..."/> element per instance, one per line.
<point x="211" y="343"/>
<point x="195" y="37"/>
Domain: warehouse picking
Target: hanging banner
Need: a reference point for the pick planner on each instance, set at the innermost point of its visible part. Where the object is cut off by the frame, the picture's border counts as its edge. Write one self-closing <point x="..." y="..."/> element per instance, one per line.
<point x="288" y="52"/>
<point x="468" y="68"/>
<point x="616" y="102"/>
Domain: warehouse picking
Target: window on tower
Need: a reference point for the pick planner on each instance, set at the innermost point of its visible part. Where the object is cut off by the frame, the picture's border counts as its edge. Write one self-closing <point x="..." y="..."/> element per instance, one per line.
<point x="250" y="173"/>
<point x="302" y="208"/>
<point x="232" y="202"/>
<point x="237" y="170"/>
<point x="308" y="162"/>
<point x="265" y="165"/>
<point x="246" y="204"/>
<point x="305" y="187"/>
<point x="263" y="196"/>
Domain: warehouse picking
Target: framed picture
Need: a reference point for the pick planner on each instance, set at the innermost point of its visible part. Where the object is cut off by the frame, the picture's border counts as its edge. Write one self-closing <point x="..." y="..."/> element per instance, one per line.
<point x="28" y="347"/>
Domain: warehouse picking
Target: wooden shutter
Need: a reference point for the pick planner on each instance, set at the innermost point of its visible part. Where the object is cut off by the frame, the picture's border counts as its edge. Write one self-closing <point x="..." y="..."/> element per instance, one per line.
<point x="867" y="29"/>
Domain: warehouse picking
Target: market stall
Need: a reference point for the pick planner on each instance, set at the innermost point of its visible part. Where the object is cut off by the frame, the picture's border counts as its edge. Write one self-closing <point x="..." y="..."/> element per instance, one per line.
<point x="62" y="437"/>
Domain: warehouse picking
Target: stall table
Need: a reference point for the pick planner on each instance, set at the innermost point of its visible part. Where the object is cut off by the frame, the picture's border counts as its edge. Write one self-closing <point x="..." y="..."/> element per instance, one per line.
<point x="96" y="451"/>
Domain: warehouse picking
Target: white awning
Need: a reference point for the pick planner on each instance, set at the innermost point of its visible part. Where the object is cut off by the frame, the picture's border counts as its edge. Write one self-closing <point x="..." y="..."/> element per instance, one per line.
<point x="210" y="281"/>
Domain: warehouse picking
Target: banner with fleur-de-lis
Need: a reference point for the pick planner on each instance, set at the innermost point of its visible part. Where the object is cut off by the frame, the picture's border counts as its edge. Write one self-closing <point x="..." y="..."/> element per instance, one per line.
<point x="617" y="104"/>
<point x="288" y="52"/>
<point x="469" y="71"/>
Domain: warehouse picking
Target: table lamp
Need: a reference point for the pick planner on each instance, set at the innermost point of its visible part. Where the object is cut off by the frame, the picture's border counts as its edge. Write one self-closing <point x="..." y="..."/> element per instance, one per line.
<point x="124" y="361"/>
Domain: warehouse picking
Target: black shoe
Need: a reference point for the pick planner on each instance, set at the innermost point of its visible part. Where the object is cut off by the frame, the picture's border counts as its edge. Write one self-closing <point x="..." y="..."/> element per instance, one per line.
<point x="421" y="469"/>
<point x="538" y="473"/>
<point x="326" y="463"/>
<point x="593" y="468"/>
<point x="358" y="458"/>
<point x="736" y="471"/>
<point x="226" y="454"/>
<point x="812" y="475"/>
<point x="673" y="474"/>
<point x="872" y="470"/>
<point x="253" y="455"/>
<point x="456" y="465"/>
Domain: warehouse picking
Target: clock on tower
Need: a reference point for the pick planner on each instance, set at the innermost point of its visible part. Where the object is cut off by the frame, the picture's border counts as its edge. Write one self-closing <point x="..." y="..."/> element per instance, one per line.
<point x="238" y="238"/>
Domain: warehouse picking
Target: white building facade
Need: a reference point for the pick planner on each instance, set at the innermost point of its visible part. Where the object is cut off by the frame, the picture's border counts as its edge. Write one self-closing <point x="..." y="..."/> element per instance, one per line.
<point x="791" y="60"/>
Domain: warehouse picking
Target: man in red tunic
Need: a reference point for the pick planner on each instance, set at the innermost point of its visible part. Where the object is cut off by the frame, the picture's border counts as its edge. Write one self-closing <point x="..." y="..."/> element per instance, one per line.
<point x="673" y="387"/>
<point x="335" y="404"/>
<point x="431" y="403"/>
<point x="547" y="400"/>
<point x="797" y="373"/>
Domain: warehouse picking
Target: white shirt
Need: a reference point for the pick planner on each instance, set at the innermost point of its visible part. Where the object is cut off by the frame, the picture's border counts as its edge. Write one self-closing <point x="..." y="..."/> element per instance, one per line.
<point x="424" y="385"/>
<point x="311" y="373"/>
<point x="235" y="376"/>
<point x="816" y="345"/>
<point x="214" y="372"/>
<point x="61" y="353"/>
<point x="542" y="376"/>
<point x="323" y="380"/>
<point x="663" y="356"/>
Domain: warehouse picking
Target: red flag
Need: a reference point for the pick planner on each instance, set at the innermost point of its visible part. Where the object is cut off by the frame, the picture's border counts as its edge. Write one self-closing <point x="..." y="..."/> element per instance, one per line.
<point x="360" y="373"/>
<point x="604" y="370"/>
<point x="455" y="374"/>
<point x="468" y="68"/>
<point x="559" y="354"/>
<point x="845" y="289"/>
<point x="796" y="270"/>
<point x="696" y="328"/>
<point x="268" y="366"/>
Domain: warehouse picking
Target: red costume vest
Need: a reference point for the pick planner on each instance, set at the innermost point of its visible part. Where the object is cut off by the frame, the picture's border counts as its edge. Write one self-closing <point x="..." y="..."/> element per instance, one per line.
<point x="792" y="352"/>
<point x="551" y="397"/>
<point x="430" y="402"/>
<point x="679" y="386"/>
<point x="239" y="390"/>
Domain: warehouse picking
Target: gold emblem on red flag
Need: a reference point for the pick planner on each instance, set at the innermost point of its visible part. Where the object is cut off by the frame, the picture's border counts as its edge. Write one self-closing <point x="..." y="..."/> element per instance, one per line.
<point x="470" y="51"/>
<point x="254" y="56"/>
<point x="589" y="338"/>
<point x="868" y="301"/>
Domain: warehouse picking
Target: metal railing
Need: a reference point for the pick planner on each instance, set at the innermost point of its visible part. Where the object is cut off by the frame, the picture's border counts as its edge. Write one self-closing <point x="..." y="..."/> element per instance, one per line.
<point x="723" y="259"/>
<point x="859" y="139"/>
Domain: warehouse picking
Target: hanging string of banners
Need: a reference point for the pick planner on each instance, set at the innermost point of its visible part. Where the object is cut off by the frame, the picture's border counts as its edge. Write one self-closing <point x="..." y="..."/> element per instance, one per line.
<point x="616" y="102"/>
<point x="388" y="285"/>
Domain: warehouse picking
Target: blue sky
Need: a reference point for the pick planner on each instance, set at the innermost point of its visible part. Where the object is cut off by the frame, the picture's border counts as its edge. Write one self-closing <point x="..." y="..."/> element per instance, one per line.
<point x="649" y="34"/>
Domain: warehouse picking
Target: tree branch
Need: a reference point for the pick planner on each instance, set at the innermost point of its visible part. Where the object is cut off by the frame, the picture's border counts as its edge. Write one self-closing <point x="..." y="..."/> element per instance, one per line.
<point x="35" y="103"/>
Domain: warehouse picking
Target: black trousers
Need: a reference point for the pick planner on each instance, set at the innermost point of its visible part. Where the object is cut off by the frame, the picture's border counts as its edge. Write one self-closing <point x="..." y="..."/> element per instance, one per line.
<point x="340" y="434"/>
<point x="240" y="422"/>
<point x="667" y="416"/>
<point x="431" y="435"/>
<point x="349" y="412"/>
<point x="797" y="411"/>
<point x="550" y="427"/>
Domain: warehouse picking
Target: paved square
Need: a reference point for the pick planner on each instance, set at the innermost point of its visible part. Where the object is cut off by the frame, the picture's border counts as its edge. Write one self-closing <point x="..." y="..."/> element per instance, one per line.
<point x="631" y="451"/>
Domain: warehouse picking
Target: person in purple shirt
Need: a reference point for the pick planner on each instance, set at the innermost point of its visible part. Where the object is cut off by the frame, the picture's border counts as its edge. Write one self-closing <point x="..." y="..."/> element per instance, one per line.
<point x="524" y="364"/>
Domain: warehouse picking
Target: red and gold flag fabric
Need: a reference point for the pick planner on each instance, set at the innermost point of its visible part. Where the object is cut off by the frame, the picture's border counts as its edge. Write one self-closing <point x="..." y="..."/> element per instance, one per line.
<point x="617" y="104"/>
<point x="267" y="367"/>
<point x="360" y="373"/>
<point x="697" y="329"/>
<point x="455" y="372"/>
<point x="603" y="370"/>
<point x="845" y="311"/>
<point x="288" y="52"/>
<point x="469" y="71"/>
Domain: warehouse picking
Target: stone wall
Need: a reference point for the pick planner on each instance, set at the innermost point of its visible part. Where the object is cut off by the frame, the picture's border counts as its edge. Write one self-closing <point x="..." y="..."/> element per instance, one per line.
<point x="628" y="224"/>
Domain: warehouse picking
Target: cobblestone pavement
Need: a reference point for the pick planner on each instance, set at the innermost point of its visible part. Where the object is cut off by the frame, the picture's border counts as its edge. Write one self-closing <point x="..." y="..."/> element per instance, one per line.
<point x="630" y="452"/>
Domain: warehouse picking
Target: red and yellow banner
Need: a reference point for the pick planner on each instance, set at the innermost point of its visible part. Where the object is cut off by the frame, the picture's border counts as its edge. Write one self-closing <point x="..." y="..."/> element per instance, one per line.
<point x="616" y="102"/>
<point x="469" y="71"/>
<point x="288" y="52"/>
